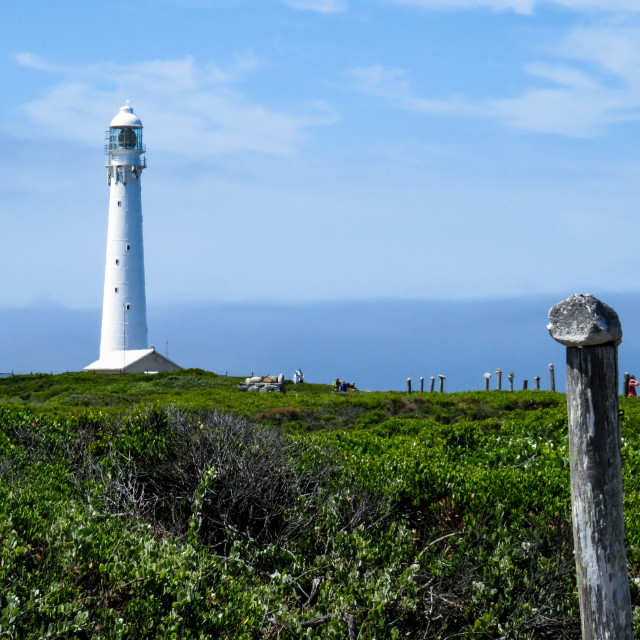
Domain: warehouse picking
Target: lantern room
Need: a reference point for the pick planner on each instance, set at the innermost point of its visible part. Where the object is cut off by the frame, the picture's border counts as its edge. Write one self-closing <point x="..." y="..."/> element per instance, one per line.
<point x="125" y="132"/>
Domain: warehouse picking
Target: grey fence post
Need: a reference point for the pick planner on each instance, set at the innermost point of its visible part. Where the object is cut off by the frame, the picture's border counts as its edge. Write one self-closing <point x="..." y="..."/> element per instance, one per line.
<point x="591" y="332"/>
<point x="487" y="377"/>
<point x="421" y="384"/>
<point x="442" y="379"/>
<point x="431" y="383"/>
<point x="537" y="380"/>
<point x="552" y="377"/>
<point x="511" y="380"/>
<point x="525" y="384"/>
<point x="409" y="386"/>
<point x="625" y="384"/>
<point x="499" y="380"/>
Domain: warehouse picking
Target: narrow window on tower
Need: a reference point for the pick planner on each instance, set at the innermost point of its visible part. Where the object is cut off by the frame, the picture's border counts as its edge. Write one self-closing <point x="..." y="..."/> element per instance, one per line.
<point x="116" y="289"/>
<point x="128" y="306"/>
<point x="128" y="247"/>
<point x="119" y="203"/>
<point x="117" y="261"/>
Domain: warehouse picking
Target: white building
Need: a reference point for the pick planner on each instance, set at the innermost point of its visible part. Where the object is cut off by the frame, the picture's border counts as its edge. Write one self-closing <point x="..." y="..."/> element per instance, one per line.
<point x="123" y="342"/>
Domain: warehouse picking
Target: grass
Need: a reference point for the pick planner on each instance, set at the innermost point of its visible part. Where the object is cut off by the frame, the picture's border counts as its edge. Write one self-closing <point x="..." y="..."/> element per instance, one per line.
<point x="304" y="407"/>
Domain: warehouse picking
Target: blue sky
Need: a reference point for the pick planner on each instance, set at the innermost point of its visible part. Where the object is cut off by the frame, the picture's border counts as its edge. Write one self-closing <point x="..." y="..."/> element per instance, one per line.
<point x="315" y="150"/>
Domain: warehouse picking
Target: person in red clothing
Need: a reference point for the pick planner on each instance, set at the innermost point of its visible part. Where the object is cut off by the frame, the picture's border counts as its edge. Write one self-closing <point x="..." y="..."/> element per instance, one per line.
<point x="633" y="383"/>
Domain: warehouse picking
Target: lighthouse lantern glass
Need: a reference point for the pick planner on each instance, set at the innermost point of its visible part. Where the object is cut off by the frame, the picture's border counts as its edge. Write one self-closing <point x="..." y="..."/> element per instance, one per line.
<point x="126" y="138"/>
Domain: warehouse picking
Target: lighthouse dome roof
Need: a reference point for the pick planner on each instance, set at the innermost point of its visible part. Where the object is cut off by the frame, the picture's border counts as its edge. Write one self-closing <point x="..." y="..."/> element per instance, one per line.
<point x="126" y="118"/>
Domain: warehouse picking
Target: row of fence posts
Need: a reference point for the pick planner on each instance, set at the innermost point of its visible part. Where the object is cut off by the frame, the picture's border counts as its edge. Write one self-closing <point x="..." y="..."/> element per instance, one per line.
<point x="525" y="383"/>
<point x="487" y="378"/>
<point x="432" y="384"/>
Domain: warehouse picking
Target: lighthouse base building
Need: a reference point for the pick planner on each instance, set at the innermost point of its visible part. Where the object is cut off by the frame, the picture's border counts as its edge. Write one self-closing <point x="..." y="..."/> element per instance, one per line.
<point x="133" y="361"/>
<point x="123" y="339"/>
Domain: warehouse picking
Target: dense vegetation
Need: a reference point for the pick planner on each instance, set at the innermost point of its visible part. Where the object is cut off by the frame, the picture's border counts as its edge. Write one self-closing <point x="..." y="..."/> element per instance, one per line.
<point x="174" y="506"/>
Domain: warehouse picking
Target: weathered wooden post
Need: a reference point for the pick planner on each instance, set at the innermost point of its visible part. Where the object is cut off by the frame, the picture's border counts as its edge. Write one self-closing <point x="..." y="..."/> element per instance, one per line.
<point x="421" y="384"/>
<point x="433" y="380"/>
<point x="442" y="379"/>
<point x="487" y="377"/>
<point x="511" y="376"/>
<point x="591" y="332"/>
<point x="499" y="380"/>
<point x="537" y="381"/>
<point x="525" y="385"/>
<point x="552" y="377"/>
<point x="409" y="386"/>
<point x="625" y="384"/>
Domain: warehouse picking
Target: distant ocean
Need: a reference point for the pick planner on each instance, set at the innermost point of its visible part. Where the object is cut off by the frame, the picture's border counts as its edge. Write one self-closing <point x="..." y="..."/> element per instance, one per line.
<point x="377" y="344"/>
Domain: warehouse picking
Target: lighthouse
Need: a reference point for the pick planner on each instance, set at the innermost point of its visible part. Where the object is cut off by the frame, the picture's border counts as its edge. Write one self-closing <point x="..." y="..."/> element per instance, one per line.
<point x="123" y="339"/>
<point x="124" y="305"/>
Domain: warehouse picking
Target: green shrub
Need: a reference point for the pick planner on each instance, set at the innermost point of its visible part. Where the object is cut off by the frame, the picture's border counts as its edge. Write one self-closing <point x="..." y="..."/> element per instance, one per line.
<point x="374" y="515"/>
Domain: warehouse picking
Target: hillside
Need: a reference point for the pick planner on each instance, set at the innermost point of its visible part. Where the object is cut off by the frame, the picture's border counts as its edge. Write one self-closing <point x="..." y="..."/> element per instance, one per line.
<point x="175" y="506"/>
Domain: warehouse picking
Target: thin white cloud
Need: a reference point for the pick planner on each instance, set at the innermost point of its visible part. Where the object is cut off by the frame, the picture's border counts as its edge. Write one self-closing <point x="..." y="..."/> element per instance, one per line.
<point x="194" y="109"/>
<point x="524" y="7"/>
<point x="600" y="5"/>
<point x="596" y="84"/>
<point x="612" y="49"/>
<point x="562" y="75"/>
<point x="568" y="113"/>
<point x="321" y="6"/>
<point x="183" y="71"/>
<point x="593" y="83"/>
<point x="33" y="61"/>
<point x="387" y="82"/>
<point x="393" y="84"/>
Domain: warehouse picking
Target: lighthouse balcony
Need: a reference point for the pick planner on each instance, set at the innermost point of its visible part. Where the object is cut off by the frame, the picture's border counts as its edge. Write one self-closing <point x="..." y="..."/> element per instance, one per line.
<point x="115" y="148"/>
<point x="122" y="159"/>
<point x="118" y="148"/>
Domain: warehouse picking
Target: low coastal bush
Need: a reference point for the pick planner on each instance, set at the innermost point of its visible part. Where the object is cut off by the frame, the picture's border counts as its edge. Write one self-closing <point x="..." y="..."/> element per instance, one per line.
<point x="434" y="516"/>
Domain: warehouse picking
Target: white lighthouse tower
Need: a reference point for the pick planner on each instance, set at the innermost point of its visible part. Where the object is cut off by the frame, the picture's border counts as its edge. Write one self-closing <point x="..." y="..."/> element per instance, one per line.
<point x="123" y="341"/>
